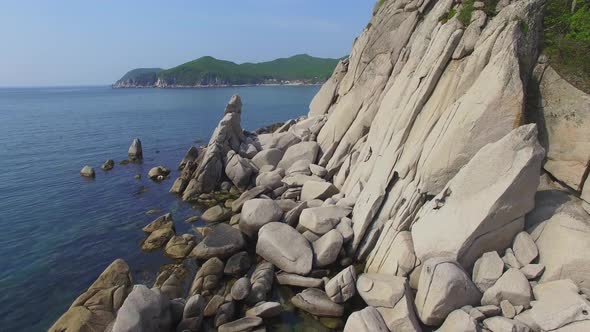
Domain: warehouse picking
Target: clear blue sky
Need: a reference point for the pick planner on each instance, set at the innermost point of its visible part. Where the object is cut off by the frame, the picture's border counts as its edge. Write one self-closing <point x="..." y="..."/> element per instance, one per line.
<point x="61" y="42"/>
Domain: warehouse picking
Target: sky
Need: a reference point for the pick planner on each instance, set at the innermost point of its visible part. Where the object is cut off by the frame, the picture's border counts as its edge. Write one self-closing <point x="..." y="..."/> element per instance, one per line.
<point x="77" y="42"/>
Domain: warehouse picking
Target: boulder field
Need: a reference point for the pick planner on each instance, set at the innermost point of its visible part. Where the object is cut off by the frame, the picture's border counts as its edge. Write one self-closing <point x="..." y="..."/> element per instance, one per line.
<point x="438" y="182"/>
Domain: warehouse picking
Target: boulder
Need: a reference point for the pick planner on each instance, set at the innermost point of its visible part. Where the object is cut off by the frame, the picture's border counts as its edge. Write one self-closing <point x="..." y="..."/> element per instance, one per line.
<point x="241" y="289"/>
<point x="402" y="316"/>
<point x="208" y="277"/>
<point x="342" y="286"/>
<point x="292" y="216"/>
<point x="508" y="309"/>
<point x="257" y="213"/>
<point x="558" y="217"/>
<point x="271" y="179"/>
<point x="559" y="307"/>
<point x="300" y="167"/>
<point x="222" y="241"/>
<point x="171" y="280"/>
<point x="284" y="247"/>
<point x="317" y="190"/>
<point x="317" y="303"/>
<point x="164" y="221"/>
<point x="478" y="213"/>
<point x="298" y="180"/>
<point x="281" y="141"/>
<point x="190" y="156"/>
<point x="267" y="157"/>
<point x="157" y="239"/>
<point x="236" y="206"/>
<point x="265" y="310"/>
<point x="261" y="281"/>
<point x="225" y="314"/>
<point x="192" y="315"/>
<point x="512" y="286"/>
<point x="214" y="303"/>
<point x="88" y="172"/>
<point x="216" y="214"/>
<point x="239" y="170"/>
<point x="158" y="172"/>
<point x="501" y="324"/>
<point x="487" y="270"/>
<point x="178" y="247"/>
<point x="459" y="321"/>
<point x="381" y="290"/>
<point x="242" y="324"/>
<point x="321" y="220"/>
<point x="238" y="264"/>
<point x="510" y="259"/>
<point x="96" y="308"/>
<point x="345" y="229"/>
<point x="144" y="310"/>
<point x="532" y="271"/>
<point x="135" y="152"/>
<point x="327" y="248"/>
<point x="318" y="170"/>
<point x="444" y="286"/>
<point x="291" y="279"/>
<point x="524" y="248"/>
<point x="366" y="320"/>
<point x="247" y="150"/>
<point x="307" y="151"/>
<point x="226" y="138"/>
<point x="108" y="165"/>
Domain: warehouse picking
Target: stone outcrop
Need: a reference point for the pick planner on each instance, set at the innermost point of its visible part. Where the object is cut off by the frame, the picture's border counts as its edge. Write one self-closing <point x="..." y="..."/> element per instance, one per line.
<point x="135" y="152"/>
<point x="97" y="307"/>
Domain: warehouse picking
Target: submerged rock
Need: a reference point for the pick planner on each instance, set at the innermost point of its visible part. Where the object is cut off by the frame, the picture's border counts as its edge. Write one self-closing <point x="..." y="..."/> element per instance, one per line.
<point x="108" y="165"/>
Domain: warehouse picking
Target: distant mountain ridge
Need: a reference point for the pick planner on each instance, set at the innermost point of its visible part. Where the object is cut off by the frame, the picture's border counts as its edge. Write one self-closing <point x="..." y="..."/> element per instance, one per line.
<point x="208" y="71"/>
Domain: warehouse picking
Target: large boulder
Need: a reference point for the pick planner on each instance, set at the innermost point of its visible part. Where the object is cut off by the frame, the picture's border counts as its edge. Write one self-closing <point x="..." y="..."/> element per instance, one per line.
<point x="270" y="179"/>
<point x="257" y="213"/>
<point x="96" y="308"/>
<point x="561" y="110"/>
<point x="267" y="157"/>
<point x="239" y="170"/>
<point x="323" y="219"/>
<point x="381" y="290"/>
<point x="342" y="286"/>
<point x="222" y="241"/>
<point x="307" y="151"/>
<point x="482" y="208"/>
<point x="487" y="270"/>
<point x="317" y="303"/>
<point x="327" y="248"/>
<point x="512" y="286"/>
<point x="366" y="320"/>
<point x="317" y="190"/>
<point x="558" y="216"/>
<point x="444" y="286"/>
<point x="284" y="247"/>
<point x="135" y="152"/>
<point x="144" y="310"/>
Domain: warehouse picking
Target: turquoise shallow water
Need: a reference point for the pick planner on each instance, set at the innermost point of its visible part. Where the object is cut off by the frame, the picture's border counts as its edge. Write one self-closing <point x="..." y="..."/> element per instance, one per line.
<point x="60" y="230"/>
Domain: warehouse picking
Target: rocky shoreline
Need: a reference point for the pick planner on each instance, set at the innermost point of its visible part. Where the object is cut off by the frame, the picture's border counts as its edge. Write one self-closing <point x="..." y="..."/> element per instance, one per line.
<point x="439" y="182"/>
<point x="124" y="85"/>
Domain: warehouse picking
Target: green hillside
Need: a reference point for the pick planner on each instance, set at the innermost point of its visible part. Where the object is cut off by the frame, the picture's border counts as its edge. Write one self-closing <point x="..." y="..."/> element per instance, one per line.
<point x="208" y="71"/>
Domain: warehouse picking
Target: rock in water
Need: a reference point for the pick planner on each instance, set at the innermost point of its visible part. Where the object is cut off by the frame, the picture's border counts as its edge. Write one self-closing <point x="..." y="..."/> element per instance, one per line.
<point x="222" y="242"/>
<point x="94" y="309"/>
<point x="284" y="247"/>
<point x="135" y="152"/>
<point x="88" y="172"/>
<point x="476" y="213"/>
<point x="108" y="165"/>
<point x="158" y="173"/>
<point x="227" y="137"/>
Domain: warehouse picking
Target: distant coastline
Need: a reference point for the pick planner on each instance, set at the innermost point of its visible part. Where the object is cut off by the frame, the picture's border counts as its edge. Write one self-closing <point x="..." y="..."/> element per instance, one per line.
<point x="207" y="72"/>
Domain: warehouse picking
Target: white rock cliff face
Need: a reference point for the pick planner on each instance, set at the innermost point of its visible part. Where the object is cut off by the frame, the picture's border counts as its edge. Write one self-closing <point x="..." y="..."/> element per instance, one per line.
<point x="411" y="110"/>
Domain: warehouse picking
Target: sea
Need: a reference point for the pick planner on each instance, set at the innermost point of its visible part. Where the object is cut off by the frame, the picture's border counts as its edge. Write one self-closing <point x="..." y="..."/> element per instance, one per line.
<point x="60" y="230"/>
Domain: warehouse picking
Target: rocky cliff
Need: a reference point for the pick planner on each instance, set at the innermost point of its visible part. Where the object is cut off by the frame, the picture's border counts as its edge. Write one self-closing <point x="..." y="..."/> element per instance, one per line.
<point x="440" y="178"/>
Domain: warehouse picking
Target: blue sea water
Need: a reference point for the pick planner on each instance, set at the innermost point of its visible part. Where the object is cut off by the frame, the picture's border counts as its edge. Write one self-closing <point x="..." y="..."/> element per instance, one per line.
<point x="59" y="230"/>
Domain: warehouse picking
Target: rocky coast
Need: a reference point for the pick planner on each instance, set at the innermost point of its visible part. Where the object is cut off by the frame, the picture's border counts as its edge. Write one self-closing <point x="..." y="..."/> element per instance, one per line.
<point x="438" y="182"/>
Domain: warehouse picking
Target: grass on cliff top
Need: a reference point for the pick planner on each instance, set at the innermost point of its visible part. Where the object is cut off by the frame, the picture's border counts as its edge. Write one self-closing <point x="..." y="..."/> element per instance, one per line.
<point x="567" y="40"/>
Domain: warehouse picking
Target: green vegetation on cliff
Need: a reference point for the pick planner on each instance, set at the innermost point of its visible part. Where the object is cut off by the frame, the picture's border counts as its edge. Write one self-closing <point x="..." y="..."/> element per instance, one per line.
<point x="208" y="71"/>
<point x="567" y="40"/>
